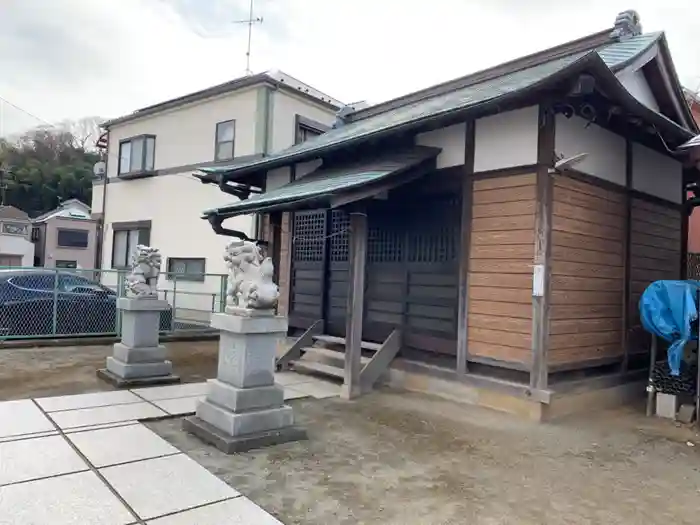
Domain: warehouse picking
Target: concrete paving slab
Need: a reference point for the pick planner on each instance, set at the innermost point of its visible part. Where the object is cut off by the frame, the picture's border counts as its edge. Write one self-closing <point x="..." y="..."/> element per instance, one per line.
<point x="22" y="417"/>
<point x="318" y="389"/>
<point x="172" y="391"/>
<point x="238" y="511"/>
<point x="97" y="399"/>
<point x="104" y="425"/>
<point x="155" y="487"/>
<point x="291" y="378"/>
<point x="37" y="458"/>
<point x="101" y="415"/>
<point x="29" y="436"/>
<point x="179" y="406"/>
<point x="111" y="446"/>
<point x="291" y="393"/>
<point x="74" y="499"/>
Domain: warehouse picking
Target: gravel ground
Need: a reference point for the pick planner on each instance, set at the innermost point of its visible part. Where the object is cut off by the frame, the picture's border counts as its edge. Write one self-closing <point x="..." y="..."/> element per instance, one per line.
<point x="401" y="458"/>
<point x="46" y="371"/>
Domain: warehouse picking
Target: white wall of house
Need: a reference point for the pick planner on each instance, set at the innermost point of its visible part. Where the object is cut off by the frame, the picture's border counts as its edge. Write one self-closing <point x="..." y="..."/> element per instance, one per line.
<point x="636" y="83"/>
<point x="506" y="140"/>
<point x="187" y="134"/>
<point x="285" y="106"/>
<point x="652" y="172"/>
<point x="173" y="200"/>
<point x="656" y="174"/>
<point x="19" y="246"/>
<point x="452" y="141"/>
<point x="606" y="151"/>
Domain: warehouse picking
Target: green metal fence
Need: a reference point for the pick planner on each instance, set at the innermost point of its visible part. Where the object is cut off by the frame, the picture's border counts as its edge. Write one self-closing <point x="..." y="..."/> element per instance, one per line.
<point x="40" y="303"/>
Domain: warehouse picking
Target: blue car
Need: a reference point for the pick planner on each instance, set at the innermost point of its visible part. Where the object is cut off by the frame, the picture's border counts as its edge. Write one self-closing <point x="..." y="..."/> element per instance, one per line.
<point x="46" y="303"/>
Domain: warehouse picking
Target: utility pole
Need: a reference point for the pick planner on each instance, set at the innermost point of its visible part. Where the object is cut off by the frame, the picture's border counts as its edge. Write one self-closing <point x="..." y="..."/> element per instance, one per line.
<point x="3" y="187"/>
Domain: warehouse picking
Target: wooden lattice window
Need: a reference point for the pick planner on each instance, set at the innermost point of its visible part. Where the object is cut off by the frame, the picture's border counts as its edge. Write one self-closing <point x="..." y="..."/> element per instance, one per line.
<point x="385" y="239"/>
<point x="340" y="238"/>
<point x="434" y="237"/>
<point x="308" y="239"/>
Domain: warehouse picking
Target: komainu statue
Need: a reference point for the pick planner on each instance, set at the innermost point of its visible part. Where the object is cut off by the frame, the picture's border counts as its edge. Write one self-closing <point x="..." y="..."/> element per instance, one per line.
<point x="249" y="277"/>
<point x="142" y="282"/>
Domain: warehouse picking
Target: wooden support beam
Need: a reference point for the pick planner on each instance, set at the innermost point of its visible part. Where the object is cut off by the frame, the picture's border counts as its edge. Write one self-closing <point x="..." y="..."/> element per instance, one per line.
<point x="465" y="243"/>
<point x="294" y="352"/>
<point x="326" y="267"/>
<point x="355" y="309"/>
<point x="381" y="361"/>
<point x="542" y="264"/>
<point x="626" y="249"/>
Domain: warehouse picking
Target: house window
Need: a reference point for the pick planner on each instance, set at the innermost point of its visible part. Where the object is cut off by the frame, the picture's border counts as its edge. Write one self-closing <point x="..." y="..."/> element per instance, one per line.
<point x="186" y="269"/>
<point x="225" y="136"/>
<point x="67" y="264"/>
<point x="304" y="133"/>
<point x="72" y="238"/>
<point x="137" y="154"/>
<point x="124" y="244"/>
<point x="13" y="228"/>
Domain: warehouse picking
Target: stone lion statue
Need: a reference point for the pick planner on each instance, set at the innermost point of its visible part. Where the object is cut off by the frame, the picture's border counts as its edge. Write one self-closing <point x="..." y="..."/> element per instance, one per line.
<point x="145" y="268"/>
<point x="250" y="277"/>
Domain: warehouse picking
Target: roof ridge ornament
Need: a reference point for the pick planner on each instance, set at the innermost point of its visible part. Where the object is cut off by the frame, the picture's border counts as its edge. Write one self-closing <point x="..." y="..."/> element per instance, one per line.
<point x="627" y="25"/>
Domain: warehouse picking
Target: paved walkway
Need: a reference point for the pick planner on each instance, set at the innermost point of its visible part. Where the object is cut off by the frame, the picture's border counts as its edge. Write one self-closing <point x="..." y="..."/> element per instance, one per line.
<point x="86" y="460"/>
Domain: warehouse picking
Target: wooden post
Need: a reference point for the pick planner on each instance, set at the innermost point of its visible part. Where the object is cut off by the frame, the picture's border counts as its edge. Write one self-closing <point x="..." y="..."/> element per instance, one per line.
<point x="326" y="268"/>
<point x="542" y="266"/>
<point x="355" y="310"/>
<point x="627" y="247"/>
<point x="465" y="242"/>
<point x="275" y="238"/>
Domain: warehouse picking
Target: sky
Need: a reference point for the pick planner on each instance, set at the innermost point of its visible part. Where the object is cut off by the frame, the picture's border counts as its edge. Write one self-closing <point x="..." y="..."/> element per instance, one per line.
<point x="66" y="59"/>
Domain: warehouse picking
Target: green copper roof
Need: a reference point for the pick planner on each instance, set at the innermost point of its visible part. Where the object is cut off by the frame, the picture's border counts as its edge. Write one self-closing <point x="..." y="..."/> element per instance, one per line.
<point x="615" y="56"/>
<point x="327" y="182"/>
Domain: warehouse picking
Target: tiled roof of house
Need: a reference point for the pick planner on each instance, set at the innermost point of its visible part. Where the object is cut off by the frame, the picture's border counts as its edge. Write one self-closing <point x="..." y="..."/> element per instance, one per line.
<point x="615" y="56"/>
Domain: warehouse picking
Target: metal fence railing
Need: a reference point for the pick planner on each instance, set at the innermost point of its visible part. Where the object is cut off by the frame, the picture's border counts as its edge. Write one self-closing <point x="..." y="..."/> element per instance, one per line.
<point x="50" y="302"/>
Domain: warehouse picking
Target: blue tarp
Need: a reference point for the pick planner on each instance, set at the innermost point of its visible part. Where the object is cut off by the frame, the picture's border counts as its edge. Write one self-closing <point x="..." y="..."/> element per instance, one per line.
<point x="668" y="309"/>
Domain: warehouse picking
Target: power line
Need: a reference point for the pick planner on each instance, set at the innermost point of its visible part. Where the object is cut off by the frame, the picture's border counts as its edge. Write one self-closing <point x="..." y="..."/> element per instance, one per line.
<point x="12" y="104"/>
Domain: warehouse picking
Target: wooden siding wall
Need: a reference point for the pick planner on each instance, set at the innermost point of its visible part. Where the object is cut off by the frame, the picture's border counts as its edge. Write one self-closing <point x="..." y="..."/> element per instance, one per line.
<point x="587" y="273"/>
<point x="500" y="269"/>
<point x="655" y="253"/>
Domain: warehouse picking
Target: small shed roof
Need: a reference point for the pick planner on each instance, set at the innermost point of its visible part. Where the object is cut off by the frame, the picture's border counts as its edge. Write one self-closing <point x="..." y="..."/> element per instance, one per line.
<point x="322" y="185"/>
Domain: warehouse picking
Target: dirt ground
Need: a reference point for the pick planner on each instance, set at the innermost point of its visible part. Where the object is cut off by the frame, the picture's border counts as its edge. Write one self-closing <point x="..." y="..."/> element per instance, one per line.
<point x="46" y="371"/>
<point x="407" y="459"/>
<point x="400" y="459"/>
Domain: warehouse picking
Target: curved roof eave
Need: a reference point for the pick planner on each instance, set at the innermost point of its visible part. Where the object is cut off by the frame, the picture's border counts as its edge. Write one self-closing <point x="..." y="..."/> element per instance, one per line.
<point x="615" y="89"/>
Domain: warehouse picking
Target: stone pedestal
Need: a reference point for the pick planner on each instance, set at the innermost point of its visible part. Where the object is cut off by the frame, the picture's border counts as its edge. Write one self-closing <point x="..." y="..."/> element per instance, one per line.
<point x="139" y="359"/>
<point x="244" y="408"/>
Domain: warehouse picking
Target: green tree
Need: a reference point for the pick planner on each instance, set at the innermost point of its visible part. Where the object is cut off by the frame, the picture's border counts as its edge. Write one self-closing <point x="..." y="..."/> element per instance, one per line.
<point x="44" y="168"/>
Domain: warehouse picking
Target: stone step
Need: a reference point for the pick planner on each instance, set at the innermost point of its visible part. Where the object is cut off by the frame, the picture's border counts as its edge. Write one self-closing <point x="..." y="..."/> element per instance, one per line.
<point x="319" y="368"/>
<point x="331" y="339"/>
<point x="330" y="354"/>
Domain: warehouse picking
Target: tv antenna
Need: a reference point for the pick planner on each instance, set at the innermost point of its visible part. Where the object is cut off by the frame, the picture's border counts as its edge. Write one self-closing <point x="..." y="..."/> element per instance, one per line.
<point x="250" y="21"/>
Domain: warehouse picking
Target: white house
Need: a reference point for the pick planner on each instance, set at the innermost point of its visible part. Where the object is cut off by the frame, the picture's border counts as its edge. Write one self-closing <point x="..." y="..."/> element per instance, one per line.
<point x="16" y="247"/>
<point x="149" y="195"/>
